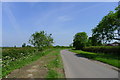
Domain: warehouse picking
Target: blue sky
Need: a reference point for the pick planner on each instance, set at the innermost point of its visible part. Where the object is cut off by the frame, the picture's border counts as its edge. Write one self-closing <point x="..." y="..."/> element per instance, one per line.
<point x="62" y="19"/>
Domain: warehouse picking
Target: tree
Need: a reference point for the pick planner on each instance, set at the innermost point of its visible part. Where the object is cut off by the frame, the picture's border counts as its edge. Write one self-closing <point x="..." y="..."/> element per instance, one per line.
<point x="108" y="28"/>
<point x="15" y="46"/>
<point x="24" y="45"/>
<point x="94" y="42"/>
<point x="28" y="46"/>
<point x="71" y="45"/>
<point x="80" y="40"/>
<point x="89" y="41"/>
<point x="41" y="40"/>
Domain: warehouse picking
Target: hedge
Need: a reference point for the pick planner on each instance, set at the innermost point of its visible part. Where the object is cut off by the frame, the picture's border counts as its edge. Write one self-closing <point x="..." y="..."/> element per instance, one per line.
<point x="103" y="49"/>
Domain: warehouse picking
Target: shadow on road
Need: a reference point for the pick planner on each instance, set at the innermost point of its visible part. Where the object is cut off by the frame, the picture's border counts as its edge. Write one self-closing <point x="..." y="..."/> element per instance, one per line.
<point x="90" y="56"/>
<point x="79" y="55"/>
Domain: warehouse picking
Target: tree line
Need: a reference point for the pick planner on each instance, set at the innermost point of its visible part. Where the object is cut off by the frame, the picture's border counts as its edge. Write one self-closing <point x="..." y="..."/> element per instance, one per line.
<point x="107" y="30"/>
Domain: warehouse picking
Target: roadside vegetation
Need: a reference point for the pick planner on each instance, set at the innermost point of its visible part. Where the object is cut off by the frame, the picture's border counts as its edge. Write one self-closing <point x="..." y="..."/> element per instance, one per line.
<point x="49" y="61"/>
<point x="55" y="66"/>
<point x="16" y="58"/>
<point x="114" y="50"/>
<point x="13" y="58"/>
<point x="100" y="45"/>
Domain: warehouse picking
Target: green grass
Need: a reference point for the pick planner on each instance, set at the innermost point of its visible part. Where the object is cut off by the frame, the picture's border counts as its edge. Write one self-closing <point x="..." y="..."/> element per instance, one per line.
<point x="106" y="58"/>
<point x="22" y="62"/>
<point x="52" y="74"/>
<point x="54" y="65"/>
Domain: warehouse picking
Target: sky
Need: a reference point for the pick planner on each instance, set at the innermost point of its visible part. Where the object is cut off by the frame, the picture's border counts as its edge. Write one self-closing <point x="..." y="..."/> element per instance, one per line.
<point x="61" y="19"/>
<point x="59" y="0"/>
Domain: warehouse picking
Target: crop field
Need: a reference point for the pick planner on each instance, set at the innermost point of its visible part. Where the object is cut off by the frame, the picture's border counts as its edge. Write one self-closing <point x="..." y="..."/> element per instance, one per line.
<point x="11" y="58"/>
<point x="14" y="54"/>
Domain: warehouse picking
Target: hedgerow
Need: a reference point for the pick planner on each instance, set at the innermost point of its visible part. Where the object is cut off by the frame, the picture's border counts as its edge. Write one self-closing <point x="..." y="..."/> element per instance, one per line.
<point x="13" y="54"/>
<point x="103" y="49"/>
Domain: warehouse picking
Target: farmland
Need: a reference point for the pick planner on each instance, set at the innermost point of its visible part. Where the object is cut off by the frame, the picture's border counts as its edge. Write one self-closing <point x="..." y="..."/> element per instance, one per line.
<point x="103" y="49"/>
<point x="14" y="58"/>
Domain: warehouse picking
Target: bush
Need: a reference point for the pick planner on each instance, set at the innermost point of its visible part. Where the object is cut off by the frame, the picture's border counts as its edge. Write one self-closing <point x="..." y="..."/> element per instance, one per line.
<point x="61" y="46"/>
<point x="12" y="54"/>
<point x="103" y="49"/>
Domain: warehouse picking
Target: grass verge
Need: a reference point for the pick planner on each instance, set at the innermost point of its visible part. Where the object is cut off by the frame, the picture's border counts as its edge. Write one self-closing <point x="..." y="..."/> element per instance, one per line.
<point x="55" y="66"/>
<point x="106" y="58"/>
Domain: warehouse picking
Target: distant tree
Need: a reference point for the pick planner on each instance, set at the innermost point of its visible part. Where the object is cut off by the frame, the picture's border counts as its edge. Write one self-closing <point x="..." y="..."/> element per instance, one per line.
<point x="24" y="45"/>
<point x="41" y="40"/>
<point x="15" y="46"/>
<point x="57" y="46"/>
<point x="28" y="46"/>
<point x="71" y="45"/>
<point x="80" y="40"/>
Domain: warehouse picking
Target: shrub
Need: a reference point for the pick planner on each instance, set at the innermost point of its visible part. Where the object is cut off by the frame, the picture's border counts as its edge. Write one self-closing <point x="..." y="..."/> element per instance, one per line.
<point x="13" y="54"/>
<point x="103" y="49"/>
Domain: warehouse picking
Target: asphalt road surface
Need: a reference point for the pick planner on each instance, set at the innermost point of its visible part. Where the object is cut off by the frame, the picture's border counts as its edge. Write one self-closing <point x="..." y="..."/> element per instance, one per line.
<point x="80" y="67"/>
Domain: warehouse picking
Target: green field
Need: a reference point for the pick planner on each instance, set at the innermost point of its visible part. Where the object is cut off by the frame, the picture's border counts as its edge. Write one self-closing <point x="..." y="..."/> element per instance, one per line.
<point x="106" y="58"/>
